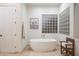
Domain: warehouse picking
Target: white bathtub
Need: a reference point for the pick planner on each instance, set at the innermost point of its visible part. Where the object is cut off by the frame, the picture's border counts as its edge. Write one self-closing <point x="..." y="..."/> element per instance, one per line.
<point x="43" y="44"/>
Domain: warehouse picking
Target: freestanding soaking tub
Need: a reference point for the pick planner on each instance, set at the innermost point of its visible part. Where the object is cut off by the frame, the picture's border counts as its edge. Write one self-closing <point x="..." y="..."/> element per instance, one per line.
<point x="43" y="44"/>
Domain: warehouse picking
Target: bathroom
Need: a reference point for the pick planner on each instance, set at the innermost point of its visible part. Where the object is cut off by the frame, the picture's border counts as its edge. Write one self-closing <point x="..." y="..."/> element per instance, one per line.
<point x="25" y="23"/>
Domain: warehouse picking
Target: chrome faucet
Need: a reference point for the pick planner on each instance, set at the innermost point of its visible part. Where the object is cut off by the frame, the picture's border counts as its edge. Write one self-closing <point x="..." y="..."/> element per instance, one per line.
<point x="42" y="35"/>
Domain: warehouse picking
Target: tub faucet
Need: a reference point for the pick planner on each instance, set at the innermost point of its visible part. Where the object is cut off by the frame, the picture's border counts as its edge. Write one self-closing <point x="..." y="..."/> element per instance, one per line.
<point x="42" y="35"/>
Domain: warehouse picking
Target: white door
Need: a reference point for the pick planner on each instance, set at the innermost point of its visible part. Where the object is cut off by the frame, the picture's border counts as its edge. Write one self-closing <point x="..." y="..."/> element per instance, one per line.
<point x="7" y="27"/>
<point x="7" y="19"/>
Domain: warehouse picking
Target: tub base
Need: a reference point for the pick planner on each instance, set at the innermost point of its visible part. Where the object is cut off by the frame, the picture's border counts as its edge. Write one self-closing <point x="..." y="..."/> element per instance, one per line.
<point x="43" y="46"/>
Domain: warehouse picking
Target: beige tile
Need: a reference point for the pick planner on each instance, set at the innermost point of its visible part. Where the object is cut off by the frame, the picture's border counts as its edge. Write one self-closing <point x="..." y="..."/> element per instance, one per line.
<point x="30" y="52"/>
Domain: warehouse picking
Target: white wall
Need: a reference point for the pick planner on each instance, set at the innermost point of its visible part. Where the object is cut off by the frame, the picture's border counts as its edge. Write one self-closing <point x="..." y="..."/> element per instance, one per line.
<point x="76" y="27"/>
<point x="24" y="20"/>
<point x="37" y="11"/>
<point x="61" y="9"/>
<point x="72" y="24"/>
<point x="76" y="21"/>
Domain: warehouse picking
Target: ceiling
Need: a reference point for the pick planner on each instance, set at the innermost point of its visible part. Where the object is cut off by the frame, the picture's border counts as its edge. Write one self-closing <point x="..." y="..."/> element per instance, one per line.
<point x="44" y="4"/>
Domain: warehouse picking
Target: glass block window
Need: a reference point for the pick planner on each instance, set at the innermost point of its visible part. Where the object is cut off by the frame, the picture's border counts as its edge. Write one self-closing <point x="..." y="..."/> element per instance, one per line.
<point x="49" y="23"/>
<point x="64" y="22"/>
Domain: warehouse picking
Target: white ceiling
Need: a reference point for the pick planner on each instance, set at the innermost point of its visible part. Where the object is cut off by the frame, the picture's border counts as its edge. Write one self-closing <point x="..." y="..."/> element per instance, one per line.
<point x="44" y="4"/>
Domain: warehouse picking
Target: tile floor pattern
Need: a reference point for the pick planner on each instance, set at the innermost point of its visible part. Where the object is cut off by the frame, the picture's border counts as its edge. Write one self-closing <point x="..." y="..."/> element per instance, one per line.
<point x="30" y="52"/>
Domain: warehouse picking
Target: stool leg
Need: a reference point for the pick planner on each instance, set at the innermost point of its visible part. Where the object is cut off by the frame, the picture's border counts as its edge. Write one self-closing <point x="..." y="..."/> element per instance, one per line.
<point x="61" y="48"/>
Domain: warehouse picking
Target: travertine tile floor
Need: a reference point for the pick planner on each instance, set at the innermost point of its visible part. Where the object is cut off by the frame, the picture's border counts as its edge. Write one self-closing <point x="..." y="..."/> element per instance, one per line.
<point x="30" y="52"/>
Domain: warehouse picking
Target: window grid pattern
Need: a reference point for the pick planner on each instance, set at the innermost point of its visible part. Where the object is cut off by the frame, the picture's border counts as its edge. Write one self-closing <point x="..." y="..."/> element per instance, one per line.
<point x="64" y="23"/>
<point x="49" y="23"/>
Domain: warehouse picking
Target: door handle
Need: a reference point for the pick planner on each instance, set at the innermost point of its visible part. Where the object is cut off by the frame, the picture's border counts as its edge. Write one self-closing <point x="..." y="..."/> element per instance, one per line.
<point x="0" y="35"/>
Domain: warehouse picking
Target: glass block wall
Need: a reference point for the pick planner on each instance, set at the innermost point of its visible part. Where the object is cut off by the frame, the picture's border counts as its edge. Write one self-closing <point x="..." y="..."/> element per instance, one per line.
<point x="49" y="23"/>
<point x="64" y="22"/>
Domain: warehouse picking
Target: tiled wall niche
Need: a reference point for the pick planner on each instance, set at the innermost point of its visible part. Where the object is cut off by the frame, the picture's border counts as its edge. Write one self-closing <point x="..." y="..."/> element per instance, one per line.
<point x="49" y="23"/>
<point x="64" y="22"/>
